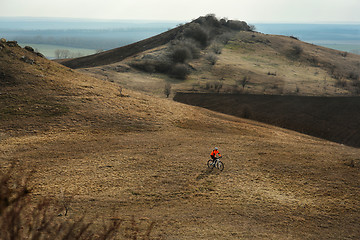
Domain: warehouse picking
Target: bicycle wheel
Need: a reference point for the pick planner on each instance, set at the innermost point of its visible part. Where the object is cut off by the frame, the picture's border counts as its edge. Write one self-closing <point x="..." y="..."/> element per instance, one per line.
<point x="210" y="164"/>
<point x="220" y="165"/>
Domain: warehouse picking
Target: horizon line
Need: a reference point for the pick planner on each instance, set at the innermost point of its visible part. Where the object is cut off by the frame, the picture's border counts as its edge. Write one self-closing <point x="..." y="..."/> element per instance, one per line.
<point x="175" y="21"/>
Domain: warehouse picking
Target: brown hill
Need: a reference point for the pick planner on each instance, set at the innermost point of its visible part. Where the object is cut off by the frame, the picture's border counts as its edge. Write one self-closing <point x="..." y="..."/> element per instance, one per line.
<point x="132" y="155"/>
<point x="268" y="64"/>
<point x="202" y="30"/>
<point x="248" y="62"/>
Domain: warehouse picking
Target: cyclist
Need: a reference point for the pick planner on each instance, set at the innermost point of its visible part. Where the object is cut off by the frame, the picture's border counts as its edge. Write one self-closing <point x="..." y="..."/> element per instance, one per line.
<point x="214" y="152"/>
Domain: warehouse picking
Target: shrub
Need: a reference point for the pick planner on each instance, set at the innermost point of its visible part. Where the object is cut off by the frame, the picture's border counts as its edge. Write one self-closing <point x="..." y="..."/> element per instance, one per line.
<point x="30" y="49"/>
<point x="207" y="86"/>
<point x="225" y="37"/>
<point x="198" y="33"/>
<point x="223" y="21"/>
<point x="212" y="20"/>
<point x="181" y="54"/>
<point x="340" y="82"/>
<point x="252" y="27"/>
<point x="146" y="65"/>
<point x="313" y="61"/>
<point x="179" y="71"/>
<point x="192" y="46"/>
<point x="216" y="48"/>
<point x="353" y="76"/>
<point x="212" y="58"/>
<point x="162" y="65"/>
<point x="295" y="51"/>
<point x="356" y="83"/>
<point x="237" y="25"/>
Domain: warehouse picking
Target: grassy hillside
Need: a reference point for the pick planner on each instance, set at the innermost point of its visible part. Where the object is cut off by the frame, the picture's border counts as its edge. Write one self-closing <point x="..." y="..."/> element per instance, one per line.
<point x="240" y="62"/>
<point x="127" y="155"/>
<point x="36" y="93"/>
<point x="285" y="65"/>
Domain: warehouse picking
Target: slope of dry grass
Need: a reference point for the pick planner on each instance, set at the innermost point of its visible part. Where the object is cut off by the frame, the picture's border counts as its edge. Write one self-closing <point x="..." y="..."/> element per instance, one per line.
<point x="270" y="62"/>
<point x="274" y="67"/>
<point x="141" y="156"/>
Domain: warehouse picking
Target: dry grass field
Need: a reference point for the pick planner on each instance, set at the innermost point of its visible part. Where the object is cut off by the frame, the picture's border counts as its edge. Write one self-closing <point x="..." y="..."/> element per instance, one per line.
<point x="129" y="155"/>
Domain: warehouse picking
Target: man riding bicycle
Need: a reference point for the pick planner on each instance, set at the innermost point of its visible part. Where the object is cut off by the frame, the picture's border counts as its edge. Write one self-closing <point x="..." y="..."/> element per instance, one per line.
<point x="214" y="152"/>
<point x="215" y="161"/>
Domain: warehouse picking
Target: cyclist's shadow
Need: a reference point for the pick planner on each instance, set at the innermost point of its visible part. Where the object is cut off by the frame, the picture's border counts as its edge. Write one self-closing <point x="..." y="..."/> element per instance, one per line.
<point x="207" y="172"/>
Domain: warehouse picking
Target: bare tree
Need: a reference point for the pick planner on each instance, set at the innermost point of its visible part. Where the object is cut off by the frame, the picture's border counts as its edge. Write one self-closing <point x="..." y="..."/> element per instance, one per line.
<point x="65" y="201"/>
<point x="245" y="80"/>
<point x="66" y="53"/>
<point x="167" y="89"/>
<point x="62" y="53"/>
<point x="252" y="27"/>
<point x="120" y="91"/>
<point x="57" y="53"/>
<point x="218" y="85"/>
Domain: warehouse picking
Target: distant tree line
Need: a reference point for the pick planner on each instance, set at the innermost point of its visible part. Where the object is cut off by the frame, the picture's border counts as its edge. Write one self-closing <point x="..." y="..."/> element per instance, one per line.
<point x="65" y="53"/>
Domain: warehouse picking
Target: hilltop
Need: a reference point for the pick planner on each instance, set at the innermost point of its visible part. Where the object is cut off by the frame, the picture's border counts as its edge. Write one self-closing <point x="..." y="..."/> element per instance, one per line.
<point x="121" y="154"/>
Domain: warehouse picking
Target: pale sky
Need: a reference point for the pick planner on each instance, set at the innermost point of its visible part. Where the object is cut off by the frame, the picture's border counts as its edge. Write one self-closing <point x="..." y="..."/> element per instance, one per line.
<point x="292" y="11"/>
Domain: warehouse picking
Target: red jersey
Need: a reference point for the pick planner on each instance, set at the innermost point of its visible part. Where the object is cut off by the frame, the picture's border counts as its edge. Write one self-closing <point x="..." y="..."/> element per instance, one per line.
<point x="214" y="152"/>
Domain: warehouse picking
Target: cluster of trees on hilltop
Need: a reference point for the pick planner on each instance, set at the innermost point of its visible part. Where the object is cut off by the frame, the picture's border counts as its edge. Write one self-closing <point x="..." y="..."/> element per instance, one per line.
<point x="189" y="42"/>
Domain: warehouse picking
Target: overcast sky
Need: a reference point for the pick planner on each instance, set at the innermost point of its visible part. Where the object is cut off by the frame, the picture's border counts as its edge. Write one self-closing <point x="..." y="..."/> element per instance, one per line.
<point x="253" y="11"/>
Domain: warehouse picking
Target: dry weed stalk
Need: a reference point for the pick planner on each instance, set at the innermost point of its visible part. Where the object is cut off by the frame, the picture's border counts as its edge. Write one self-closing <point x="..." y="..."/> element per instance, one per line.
<point x="21" y="217"/>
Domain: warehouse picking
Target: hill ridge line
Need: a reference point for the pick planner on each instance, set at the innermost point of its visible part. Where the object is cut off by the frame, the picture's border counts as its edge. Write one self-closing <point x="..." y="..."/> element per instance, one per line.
<point x="119" y="54"/>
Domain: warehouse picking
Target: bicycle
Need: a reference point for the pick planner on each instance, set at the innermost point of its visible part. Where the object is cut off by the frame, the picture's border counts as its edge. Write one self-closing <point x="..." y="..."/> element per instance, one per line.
<point x="216" y="163"/>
